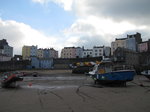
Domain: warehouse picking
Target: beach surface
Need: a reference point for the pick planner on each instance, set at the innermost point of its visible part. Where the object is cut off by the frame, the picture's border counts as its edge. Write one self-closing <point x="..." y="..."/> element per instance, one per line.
<point x="62" y="91"/>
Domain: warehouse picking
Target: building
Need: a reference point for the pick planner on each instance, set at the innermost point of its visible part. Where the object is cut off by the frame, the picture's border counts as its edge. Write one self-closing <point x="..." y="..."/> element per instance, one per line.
<point x="145" y="60"/>
<point x="107" y="52"/>
<point x="28" y="51"/>
<point x="69" y="52"/>
<point x="144" y="46"/>
<point x="118" y="43"/>
<point x="35" y="63"/>
<point x="144" y="50"/>
<point x="131" y="43"/>
<point x="53" y="53"/>
<point x="79" y="51"/>
<point x="33" y="51"/>
<point x="40" y="53"/>
<point x="126" y="56"/>
<point x="87" y="53"/>
<point x="1" y="51"/>
<point x="4" y="57"/>
<point x="8" y="50"/>
<point x="43" y="63"/>
<point x="5" y="48"/>
<point x="46" y="63"/>
<point x="47" y="53"/>
<point x="3" y="42"/>
<point x="98" y="51"/>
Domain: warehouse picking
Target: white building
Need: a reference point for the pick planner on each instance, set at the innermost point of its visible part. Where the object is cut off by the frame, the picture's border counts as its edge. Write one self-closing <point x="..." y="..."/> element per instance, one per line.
<point x="107" y="52"/>
<point x="4" y="57"/>
<point x="79" y="51"/>
<point x="87" y="53"/>
<point x="98" y="51"/>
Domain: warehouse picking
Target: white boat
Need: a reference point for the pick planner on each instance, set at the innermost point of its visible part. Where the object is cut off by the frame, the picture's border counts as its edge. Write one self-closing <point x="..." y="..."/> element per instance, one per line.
<point x="146" y="73"/>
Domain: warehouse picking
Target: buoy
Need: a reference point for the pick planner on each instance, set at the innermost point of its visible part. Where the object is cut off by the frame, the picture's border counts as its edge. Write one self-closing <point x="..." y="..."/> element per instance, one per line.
<point x="30" y="84"/>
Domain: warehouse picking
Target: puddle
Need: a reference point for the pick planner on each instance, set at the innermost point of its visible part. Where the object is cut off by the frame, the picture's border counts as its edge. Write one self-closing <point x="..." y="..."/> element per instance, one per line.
<point x="43" y="87"/>
<point x="69" y="78"/>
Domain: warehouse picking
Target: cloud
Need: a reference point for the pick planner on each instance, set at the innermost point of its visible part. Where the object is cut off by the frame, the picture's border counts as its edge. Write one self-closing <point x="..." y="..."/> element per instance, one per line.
<point x="66" y="4"/>
<point x="98" y="22"/>
<point x="136" y="11"/>
<point x="101" y="21"/>
<point x="19" y="34"/>
<point x="106" y="17"/>
<point x="94" y="30"/>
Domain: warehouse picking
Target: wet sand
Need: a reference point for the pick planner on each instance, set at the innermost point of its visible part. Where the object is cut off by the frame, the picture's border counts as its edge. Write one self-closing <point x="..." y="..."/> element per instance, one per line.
<point x="62" y="91"/>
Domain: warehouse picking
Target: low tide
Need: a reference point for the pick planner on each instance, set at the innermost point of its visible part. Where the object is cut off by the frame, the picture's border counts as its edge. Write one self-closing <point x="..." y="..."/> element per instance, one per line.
<point x="62" y="91"/>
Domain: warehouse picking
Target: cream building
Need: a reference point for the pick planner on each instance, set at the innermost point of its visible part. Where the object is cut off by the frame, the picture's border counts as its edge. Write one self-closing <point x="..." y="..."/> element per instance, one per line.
<point x="71" y="52"/>
<point x="28" y="51"/>
<point x="68" y="52"/>
<point x="40" y="53"/>
<point x="118" y="43"/>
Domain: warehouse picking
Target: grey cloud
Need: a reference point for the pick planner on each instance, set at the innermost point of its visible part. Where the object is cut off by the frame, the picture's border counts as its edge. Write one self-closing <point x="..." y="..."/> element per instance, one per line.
<point x="132" y="10"/>
<point x="90" y="41"/>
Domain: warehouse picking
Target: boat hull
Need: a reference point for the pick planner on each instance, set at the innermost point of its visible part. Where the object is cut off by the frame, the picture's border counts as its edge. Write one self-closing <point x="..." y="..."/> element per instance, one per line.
<point x="10" y="81"/>
<point x="115" y="76"/>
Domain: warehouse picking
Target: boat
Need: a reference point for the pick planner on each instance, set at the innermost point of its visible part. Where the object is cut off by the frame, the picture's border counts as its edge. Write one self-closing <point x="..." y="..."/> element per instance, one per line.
<point x="146" y="73"/>
<point x="107" y="73"/>
<point x="9" y="79"/>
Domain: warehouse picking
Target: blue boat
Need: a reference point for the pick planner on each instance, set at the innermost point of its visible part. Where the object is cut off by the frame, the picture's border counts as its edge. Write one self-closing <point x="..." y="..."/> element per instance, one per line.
<point x="105" y="73"/>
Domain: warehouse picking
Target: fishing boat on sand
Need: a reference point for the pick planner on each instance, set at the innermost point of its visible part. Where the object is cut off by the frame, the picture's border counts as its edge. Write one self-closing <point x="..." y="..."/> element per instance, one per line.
<point x="9" y="79"/>
<point x="105" y="72"/>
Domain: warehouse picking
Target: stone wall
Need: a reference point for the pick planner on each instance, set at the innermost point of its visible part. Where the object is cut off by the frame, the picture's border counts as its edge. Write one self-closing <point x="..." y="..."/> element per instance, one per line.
<point x="13" y="65"/>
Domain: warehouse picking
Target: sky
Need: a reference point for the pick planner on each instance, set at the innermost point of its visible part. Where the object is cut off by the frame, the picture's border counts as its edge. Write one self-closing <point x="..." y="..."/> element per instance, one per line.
<point x="67" y="23"/>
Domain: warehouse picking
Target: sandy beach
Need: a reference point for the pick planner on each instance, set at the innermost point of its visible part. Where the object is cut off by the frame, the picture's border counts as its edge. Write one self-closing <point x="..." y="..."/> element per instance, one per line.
<point x="62" y="91"/>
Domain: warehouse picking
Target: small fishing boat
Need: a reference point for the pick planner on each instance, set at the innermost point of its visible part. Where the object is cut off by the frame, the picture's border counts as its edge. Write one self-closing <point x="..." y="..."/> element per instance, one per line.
<point x="9" y="79"/>
<point x="146" y="73"/>
<point x="106" y="73"/>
